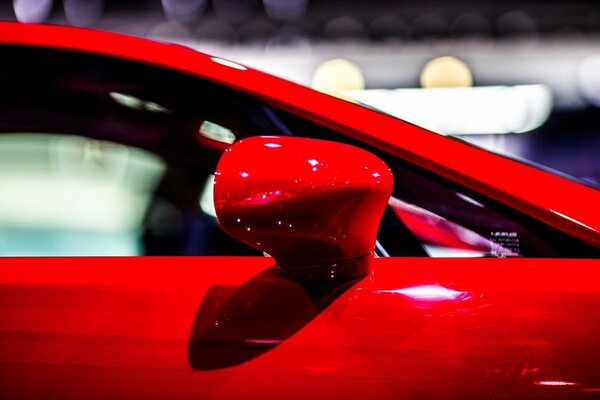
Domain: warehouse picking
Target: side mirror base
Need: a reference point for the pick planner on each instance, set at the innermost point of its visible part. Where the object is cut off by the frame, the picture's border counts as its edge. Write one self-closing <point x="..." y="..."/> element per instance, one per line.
<point x="339" y="271"/>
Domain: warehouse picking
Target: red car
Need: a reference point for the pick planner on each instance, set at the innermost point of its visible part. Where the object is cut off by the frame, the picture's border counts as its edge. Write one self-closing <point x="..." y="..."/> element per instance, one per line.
<point x="115" y="146"/>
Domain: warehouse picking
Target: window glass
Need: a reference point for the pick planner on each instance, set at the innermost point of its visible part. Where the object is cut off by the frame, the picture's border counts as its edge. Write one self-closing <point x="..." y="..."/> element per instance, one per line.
<point x="69" y="194"/>
<point x="429" y="215"/>
<point x="517" y="121"/>
<point x="108" y="157"/>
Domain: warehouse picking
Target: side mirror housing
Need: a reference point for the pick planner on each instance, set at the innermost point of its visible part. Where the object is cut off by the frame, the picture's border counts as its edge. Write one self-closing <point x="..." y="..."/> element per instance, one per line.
<point x="314" y="205"/>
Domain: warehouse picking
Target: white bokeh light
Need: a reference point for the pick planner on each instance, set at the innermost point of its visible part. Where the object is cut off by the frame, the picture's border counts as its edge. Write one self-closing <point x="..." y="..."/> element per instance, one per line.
<point x="589" y="79"/>
<point x="32" y="10"/>
<point x="83" y="12"/>
<point x="183" y="10"/>
<point x="465" y="110"/>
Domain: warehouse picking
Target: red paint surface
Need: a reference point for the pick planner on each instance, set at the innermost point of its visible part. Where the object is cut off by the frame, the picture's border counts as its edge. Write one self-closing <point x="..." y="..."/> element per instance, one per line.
<point x="303" y="202"/>
<point x="219" y="328"/>
<point x="561" y="203"/>
<point x="415" y="328"/>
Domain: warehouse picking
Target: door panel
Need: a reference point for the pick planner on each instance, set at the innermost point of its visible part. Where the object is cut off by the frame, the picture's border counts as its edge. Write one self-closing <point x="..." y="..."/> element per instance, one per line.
<point x="218" y="327"/>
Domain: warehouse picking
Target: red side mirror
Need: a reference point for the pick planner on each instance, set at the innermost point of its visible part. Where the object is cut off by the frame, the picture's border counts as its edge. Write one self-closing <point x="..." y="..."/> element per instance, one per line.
<point x="314" y="205"/>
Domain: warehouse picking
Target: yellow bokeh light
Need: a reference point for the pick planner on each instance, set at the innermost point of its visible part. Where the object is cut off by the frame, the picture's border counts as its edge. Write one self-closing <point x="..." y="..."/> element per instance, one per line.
<point x="446" y="72"/>
<point x="337" y="75"/>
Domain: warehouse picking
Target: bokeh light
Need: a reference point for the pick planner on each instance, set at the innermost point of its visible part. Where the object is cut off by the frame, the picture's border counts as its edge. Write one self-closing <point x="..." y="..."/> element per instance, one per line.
<point x="589" y="79"/>
<point x="516" y="24"/>
<point x="446" y="72"/>
<point x="465" y="110"/>
<point x="344" y="28"/>
<point x="183" y="10"/>
<point x="83" y="12"/>
<point x="337" y="75"/>
<point x="32" y="10"/>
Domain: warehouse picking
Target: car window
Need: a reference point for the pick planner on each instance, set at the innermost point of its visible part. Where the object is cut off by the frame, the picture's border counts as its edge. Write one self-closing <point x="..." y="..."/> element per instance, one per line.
<point x="112" y="157"/>
<point x="430" y="215"/>
<point x="70" y="194"/>
<point x="107" y="157"/>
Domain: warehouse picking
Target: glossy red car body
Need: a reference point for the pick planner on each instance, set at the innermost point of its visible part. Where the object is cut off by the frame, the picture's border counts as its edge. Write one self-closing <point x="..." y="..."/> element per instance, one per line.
<point x="413" y="328"/>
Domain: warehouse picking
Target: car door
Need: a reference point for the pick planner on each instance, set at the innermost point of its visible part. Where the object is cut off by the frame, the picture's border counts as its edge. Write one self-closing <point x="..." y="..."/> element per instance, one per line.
<point x="104" y="157"/>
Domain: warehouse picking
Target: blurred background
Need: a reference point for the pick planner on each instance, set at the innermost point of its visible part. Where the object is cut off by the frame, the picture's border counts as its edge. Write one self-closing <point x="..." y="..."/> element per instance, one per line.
<point x="520" y="78"/>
